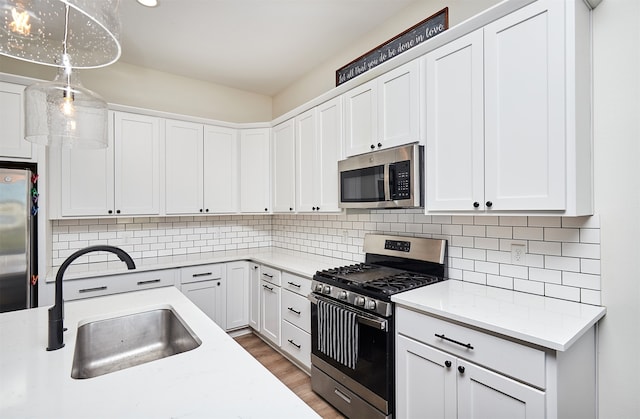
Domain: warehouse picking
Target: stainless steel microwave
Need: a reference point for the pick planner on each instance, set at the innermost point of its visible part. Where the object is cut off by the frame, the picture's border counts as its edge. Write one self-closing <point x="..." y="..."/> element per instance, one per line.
<point x="383" y="179"/>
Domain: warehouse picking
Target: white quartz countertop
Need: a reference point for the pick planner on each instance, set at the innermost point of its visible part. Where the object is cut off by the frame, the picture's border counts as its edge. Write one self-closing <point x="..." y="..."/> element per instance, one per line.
<point x="218" y="379"/>
<point x="548" y="322"/>
<point x="299" y="263"/>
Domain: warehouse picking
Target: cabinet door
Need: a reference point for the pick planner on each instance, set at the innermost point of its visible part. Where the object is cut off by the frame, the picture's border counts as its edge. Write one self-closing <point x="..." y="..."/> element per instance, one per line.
<point x="485" y="394"/>
<point x="455" y="125"/>
<point x="237" y="295"/>
<point x="12" y="142"/>
<point x="284" y="167"/>
<point x="220" y="169"/>
<point x="254" y="170"/>
<point x="398" y="106"/>
<point x="183" y="168"/>
<point x="329" y="146"/>
<point x="86" y="184"/>
<point x="525" y="109"/>
<point x="209" y="296"/>
<point x="425" y="381"/>
<point x="307" y="161"/>
<point x="270" y="301"/>
<point x="361" y="106"/>
<point x="254" y="297"/>
<point x="136" y="164"/>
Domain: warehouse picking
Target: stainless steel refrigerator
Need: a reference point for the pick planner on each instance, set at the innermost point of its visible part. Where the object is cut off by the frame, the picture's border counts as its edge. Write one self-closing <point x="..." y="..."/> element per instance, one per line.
<point x="18" y="209"/>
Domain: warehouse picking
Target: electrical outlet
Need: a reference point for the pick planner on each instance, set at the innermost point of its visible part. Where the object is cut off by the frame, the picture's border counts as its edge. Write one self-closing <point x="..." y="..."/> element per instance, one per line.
<point x="518" y="254"/>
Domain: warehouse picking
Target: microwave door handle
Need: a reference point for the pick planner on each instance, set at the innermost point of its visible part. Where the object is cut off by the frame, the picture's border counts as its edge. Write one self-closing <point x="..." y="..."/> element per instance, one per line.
<point x="387" y="182"/>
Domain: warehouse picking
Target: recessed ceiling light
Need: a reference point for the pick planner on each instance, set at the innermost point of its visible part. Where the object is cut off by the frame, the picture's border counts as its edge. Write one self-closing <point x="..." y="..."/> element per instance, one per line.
<point x="148" y="3"/>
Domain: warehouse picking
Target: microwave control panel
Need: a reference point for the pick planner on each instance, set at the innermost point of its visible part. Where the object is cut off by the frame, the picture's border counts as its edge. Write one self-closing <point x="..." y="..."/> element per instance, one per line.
<point x="400" y="174"/>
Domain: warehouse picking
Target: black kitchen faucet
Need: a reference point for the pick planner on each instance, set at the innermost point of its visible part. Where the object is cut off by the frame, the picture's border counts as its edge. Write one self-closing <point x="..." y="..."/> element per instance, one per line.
<point x="56" y="313"/>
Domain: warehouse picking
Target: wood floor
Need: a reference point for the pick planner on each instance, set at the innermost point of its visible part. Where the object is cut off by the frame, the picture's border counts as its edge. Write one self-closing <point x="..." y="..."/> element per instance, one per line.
<point x="294" y="378"/>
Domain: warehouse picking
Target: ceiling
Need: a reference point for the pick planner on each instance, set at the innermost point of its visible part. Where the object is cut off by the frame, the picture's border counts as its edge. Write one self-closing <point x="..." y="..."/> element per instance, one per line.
<point x="261" y="46"/>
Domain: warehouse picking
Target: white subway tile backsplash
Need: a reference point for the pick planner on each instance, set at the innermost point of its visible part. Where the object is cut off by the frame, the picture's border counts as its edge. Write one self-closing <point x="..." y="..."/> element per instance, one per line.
<point x="562" y="260"/>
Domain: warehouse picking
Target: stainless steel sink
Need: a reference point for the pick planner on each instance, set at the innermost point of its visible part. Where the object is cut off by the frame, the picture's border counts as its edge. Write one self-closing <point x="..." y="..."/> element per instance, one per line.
<point x="117" y="343"/>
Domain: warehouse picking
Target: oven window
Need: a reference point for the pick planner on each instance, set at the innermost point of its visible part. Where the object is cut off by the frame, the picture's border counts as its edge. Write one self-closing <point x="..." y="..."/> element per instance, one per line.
<point x="362" y="185"/>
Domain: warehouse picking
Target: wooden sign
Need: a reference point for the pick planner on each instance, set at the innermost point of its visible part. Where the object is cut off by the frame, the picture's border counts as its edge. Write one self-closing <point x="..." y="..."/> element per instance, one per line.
<point x="408" y="39"/>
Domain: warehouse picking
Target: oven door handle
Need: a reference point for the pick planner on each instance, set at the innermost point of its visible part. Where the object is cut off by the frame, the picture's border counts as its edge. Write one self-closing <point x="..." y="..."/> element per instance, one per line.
<point x="367" y="320"/>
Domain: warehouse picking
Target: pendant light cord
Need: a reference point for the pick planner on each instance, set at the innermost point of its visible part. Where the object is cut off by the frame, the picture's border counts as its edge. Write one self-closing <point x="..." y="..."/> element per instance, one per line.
<point x="65" y="57"/>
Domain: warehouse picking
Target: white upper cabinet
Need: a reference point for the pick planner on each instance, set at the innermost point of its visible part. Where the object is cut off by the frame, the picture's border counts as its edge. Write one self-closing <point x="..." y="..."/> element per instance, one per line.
<point x="201" y="168"/>
<point x="319" y="140"/>
<point x="507" y="115"/>
<point x="12" y="142"/>
<point x="383" y="112"/>
<point x="255" y="170"/>
<point x="137" y="164"/>
<point x="183" y="167"/>
<point x="454" y="155"/>
<point x="284" y="163"/>
<point x="121" y="179"/>
<point x="220" y="168"/>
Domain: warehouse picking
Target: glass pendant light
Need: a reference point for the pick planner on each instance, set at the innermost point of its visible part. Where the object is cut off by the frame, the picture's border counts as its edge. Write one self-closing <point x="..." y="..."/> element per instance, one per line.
<point x="64" y="113"/>
<point x="69" y="34"/>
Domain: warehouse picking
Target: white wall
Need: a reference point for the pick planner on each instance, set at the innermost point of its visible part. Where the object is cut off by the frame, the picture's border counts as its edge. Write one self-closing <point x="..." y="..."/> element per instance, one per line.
<point x="125" y="84"/>
<point x="616" y="34"/>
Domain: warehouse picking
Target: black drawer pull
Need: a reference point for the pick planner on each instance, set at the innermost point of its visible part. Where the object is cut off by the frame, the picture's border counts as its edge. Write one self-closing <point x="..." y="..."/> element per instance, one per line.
<point x="466" y="345"/>
<point x="269" y="288"/>
<point x="293" y="284"/>
<point x="270" y="276"/>
<point x="102" y="288"/>
<point x="151" y="281"/>
<point x="294" y="344"/>
<point x="295" y="311"/>
<point x="201" y="274"/>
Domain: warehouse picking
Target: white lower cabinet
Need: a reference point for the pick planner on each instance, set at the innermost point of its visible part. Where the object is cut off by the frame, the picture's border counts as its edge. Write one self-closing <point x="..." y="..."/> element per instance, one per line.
<point x="270" y="311"/>
<point x="296" y="318"/>
<point x="447" y="370"/>
<point x="237" y="295"/>
<point x="205" y="286"/>
<point x="114" y="284"/>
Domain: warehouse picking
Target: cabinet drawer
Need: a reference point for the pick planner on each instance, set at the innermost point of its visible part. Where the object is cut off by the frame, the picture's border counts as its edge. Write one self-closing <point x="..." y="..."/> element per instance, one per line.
<point x="113" y="284"/>
<point x="297" y="343"/>
<point x="513" y="359"/>
<point x="296" y="309"/>
<point x="270" y="274"/>
<point x="201" y="273"/>
<point x="296" y="283"/>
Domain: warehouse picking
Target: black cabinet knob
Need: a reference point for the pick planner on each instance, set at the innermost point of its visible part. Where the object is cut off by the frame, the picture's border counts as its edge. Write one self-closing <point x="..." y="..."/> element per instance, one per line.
<point x="290" y="209"/>
<point x="489" y="204"/>
<point x="110" y="212"/>
<point x="379" y="145"/>
<point x="447" y="364"/>
<point x="461" y="369"/>
<point x="318" y="208"/>
<point x="117" y="211"/>
<point x="373" y="147"/>
<point x="476" y="204"/>
<point x="313" y="208"/>
<point x="266" y="209"/>
<point x="200" y="209"/>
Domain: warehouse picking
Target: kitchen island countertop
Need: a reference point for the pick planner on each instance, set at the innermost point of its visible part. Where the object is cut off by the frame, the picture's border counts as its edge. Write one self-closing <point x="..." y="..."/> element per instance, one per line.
<point x="218" y="379"/>
<point x="538" y="320"/>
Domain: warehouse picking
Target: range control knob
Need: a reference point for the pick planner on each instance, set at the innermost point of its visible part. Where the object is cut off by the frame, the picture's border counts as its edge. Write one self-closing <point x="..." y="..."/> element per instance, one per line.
<point x="326" y="289"/>
<point x="342" y="295"/>
<point x="371" y="304"/>
<point x="359" y="301"/>
<point x="318" y="288"/>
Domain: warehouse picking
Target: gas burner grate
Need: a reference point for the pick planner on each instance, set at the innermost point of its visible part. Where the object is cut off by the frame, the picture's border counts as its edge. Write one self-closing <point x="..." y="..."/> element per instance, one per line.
<point x="400" y="282"/>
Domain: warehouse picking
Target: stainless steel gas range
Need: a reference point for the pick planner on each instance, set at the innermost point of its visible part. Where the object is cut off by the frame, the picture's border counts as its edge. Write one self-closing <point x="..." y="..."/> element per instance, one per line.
<point x="352" y="322"/>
